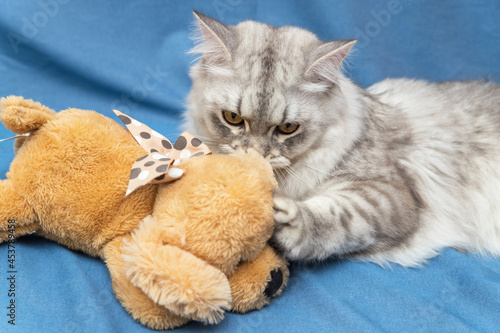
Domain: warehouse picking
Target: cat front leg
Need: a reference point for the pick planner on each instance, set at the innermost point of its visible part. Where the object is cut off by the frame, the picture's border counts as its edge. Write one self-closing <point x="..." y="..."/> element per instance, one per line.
<point x="286" y="210"/>
<point x="355" y="217"/>
<point x="289" y="224"/>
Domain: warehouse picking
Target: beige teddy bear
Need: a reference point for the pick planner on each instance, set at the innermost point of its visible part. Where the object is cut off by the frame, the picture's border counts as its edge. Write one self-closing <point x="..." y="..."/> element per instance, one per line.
<point x="178" y="251"/>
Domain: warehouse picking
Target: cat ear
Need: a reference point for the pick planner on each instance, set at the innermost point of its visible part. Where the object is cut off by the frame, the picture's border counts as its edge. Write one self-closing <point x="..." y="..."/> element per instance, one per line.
<point x="216" y="40"/>
<point x="327" y="60"/>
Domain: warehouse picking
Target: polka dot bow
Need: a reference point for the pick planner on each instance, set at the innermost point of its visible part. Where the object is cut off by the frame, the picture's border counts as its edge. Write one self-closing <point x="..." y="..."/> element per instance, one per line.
<point x="155" y="167"/>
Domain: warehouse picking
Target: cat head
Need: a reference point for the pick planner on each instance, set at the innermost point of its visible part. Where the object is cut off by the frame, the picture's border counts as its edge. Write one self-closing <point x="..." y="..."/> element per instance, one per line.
<point x="279" y="91"/>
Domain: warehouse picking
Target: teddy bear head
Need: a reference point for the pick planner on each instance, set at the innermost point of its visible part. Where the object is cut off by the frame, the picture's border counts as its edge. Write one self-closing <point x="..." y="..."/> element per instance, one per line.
<point x="216" y="216"/>
<point x="220" y="210"/>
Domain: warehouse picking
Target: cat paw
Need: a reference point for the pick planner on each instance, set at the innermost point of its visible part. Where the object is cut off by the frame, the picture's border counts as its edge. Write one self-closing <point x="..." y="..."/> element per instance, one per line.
<point x="286" y="210"/>
<point x="288" y="225"/>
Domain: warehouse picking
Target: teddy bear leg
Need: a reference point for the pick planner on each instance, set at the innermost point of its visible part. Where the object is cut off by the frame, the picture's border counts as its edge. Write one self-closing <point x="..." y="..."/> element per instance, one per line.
<point x="172" y="277"/>
<point x="132" y="298"/>
<point x="255" y="282"/>
<point x="16" y="216"/>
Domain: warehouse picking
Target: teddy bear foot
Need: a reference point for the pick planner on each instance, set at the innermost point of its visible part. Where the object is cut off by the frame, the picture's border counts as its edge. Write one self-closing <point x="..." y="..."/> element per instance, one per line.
<point x="172" y="277"/>
<point x="256" y="282"/>
<point x="140" y="306"/>
<point x="275" y="284"/>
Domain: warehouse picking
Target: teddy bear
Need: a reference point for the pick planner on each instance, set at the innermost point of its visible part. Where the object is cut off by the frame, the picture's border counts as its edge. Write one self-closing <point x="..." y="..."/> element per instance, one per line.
<point x="177" y="251"/>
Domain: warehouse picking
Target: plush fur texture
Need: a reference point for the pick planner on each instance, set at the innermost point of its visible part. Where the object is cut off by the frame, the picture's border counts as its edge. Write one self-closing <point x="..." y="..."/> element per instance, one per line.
<point x="176" y="251"/>
<point x="393" y="173"/>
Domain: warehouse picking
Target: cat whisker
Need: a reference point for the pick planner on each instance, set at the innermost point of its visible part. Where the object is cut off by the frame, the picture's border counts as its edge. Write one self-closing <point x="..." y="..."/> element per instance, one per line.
<point x="226" y="148"/>
<point x="209" y="141"/>
<point x="216" y="144"/>
<point x="204" y="138"/>
<point x="317" y="170"/>
<point x="279" y="176"/>
<point x="297" y="176"/>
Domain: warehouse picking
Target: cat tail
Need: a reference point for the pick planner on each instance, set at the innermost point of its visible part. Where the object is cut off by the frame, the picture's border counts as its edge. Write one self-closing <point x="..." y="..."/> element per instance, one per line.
<point x="22" y="116"/>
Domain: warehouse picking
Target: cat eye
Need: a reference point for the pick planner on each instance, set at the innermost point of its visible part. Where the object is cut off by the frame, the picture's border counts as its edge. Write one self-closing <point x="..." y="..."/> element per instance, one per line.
<point x="232" y="118"/>
<point x="288" y="128"/>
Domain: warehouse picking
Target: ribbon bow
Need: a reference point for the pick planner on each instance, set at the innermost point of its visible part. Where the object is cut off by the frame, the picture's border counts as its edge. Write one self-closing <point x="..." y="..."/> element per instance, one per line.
<point x="155" y="167"/>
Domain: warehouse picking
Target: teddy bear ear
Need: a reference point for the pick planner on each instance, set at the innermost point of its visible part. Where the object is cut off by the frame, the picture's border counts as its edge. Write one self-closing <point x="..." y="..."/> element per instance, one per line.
<point x="178" y="280"/>
<point x="23" y="115"/>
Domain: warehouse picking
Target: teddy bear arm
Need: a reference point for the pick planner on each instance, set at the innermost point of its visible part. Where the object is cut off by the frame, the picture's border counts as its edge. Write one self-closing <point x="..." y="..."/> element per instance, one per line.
<point x="255" y="282"/>
<point x="133" y="299"/>
<point x="16" y="216"/>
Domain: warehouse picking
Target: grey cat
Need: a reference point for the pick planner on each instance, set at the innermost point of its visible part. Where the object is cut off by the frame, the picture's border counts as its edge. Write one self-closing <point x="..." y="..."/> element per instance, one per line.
<point x="393" y="173"/>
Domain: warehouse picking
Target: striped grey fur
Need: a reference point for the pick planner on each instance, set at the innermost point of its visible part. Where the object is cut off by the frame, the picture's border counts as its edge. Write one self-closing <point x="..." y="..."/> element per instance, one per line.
<point x="393" y="173"/>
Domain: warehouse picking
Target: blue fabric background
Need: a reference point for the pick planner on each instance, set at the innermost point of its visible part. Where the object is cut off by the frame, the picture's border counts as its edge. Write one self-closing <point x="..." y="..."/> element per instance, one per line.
<point x="131" y="55"/>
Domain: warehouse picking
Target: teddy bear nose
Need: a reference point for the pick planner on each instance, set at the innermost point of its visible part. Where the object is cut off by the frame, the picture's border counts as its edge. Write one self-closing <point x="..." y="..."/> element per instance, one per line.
<point x="275" y="284"/>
